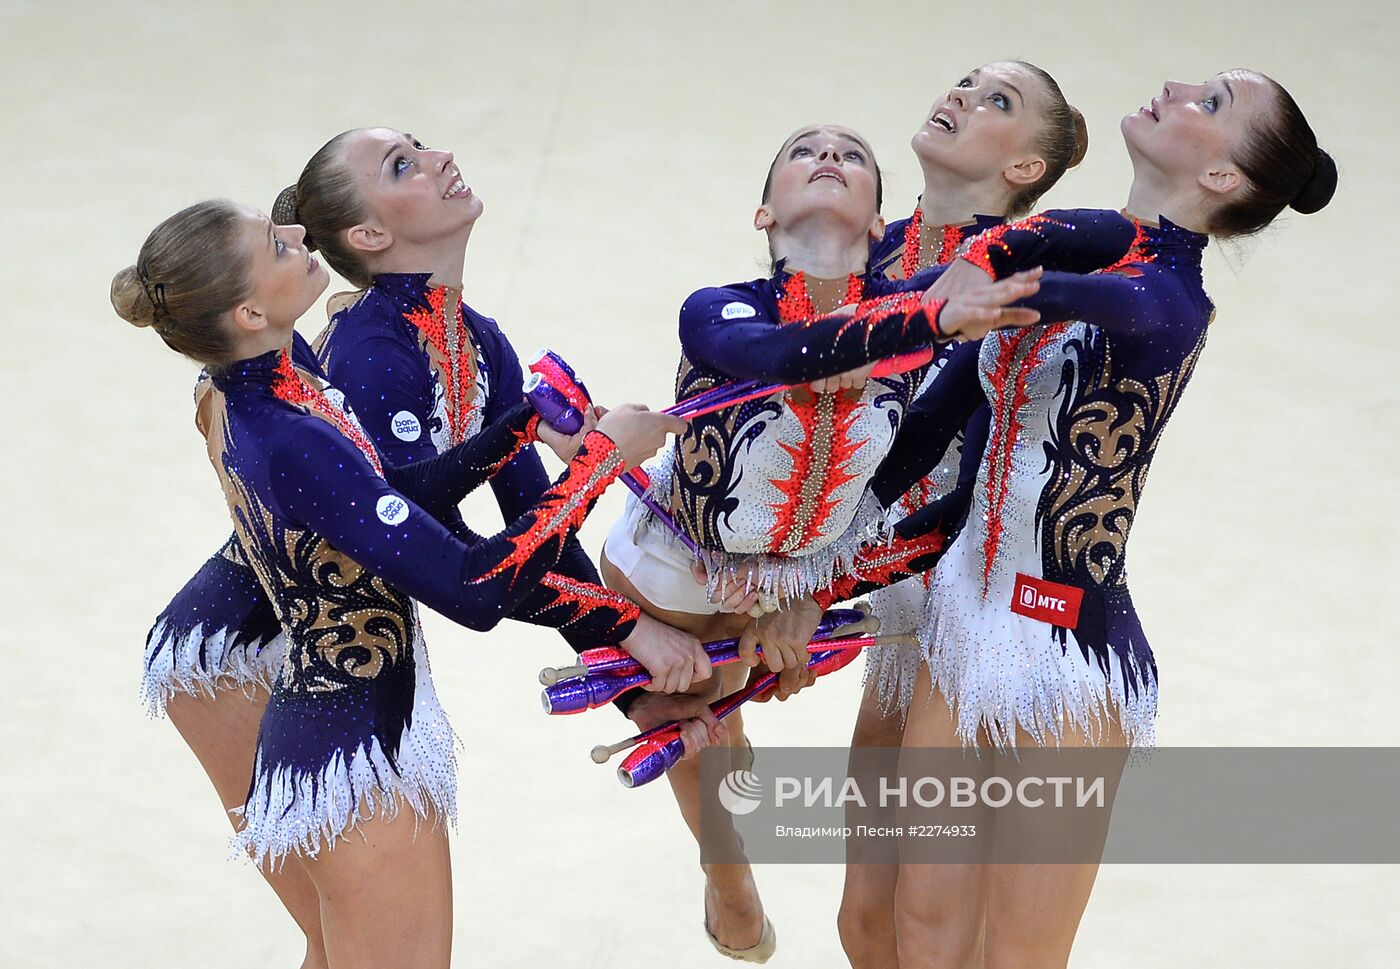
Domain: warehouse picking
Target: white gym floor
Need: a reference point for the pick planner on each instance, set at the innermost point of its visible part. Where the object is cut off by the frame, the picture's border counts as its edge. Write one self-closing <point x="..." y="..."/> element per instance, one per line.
<point x="620" y="149"/>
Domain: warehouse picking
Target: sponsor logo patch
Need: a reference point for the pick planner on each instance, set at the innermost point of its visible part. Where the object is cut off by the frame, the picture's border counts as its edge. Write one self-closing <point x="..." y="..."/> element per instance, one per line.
<point x="391" y="509"/>
<point x="406" y="426"/>
<point x="1046" y="601"/>
<point x="737" y="311"/>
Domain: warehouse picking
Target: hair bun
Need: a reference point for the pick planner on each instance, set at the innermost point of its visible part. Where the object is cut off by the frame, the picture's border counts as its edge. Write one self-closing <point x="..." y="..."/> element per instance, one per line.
<point x="284" y="210"/>
<point x="130" y="299"/>
<point x="1081" y="136"/>
<point x="1317" y="191"/>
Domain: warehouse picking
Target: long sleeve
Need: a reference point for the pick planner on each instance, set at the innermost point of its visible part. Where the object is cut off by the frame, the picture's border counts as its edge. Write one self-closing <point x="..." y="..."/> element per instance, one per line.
<point x="729" y="330"/>
<point x="949" y="513"/>
<point x="878" y="566"/>
<point x="1063" y="240"/>
<point x="573" y="598"/>
<point x="440" y="483"/>
<point x="930" y="425"/>
<point x="522" y="479"/>
<point x="586" y="613"/>
<point x="327" y="485"/>
<point x="1141" y="301"/>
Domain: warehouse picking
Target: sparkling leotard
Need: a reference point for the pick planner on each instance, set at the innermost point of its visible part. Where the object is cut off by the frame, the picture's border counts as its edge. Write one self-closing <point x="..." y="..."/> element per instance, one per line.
<point x="343" y="546"/>
<point x="424" y="371"/>
<point x="1030" y="621"/>
<point x="779" y="484"/>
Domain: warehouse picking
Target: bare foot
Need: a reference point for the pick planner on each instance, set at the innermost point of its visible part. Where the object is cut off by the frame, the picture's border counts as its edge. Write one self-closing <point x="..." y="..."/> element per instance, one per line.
<point x="733" y="910"/>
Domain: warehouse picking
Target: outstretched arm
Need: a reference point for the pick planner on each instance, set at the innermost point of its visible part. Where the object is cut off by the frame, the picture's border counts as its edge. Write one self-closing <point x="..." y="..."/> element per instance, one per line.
<point x="522" y="479"/>
<point x="1058" y="240"/>
<point x="1137" y="300"/>
<point x="730" y="331"/>
<point x="739" y="338"/>
<point x="440" y="483"/>
<point x="477" y="584"/>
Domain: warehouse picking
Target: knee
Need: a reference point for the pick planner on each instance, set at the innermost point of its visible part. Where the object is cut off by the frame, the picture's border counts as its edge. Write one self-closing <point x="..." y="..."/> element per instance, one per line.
<point x="932" y="930"/>
<point x="866" y="926"/>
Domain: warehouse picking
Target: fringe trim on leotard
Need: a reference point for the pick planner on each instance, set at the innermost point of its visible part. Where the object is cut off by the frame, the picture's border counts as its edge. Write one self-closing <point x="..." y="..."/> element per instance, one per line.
<point x="1018" y="675"/>
<point x="894" y="670"/>
<point x="189" y="661"/>
<point x="292" y="810"/>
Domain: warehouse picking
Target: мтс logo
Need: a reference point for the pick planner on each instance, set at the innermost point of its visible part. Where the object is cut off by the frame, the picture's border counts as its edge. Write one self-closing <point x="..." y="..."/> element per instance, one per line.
<point x="741" y="792"/>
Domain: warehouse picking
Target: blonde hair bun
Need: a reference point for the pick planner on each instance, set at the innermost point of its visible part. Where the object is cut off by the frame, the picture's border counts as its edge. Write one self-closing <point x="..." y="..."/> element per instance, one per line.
<point x="130" y="299"/>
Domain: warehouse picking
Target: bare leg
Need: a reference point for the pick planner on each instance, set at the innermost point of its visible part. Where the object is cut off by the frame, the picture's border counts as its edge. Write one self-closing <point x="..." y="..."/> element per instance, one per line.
<point x="386" y="895"/>
<point x="733" y="909"/>
<point x="1033" y="911"/>
<point x="866" y="920"/>
<point x="939" y="909"/>
<point x="222" y="730"/>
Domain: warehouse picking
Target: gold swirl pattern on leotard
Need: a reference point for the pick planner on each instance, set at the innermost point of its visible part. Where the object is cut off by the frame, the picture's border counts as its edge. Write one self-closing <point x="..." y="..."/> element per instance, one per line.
<point x="343" y="624"/>
<point x="1106" y="432"/>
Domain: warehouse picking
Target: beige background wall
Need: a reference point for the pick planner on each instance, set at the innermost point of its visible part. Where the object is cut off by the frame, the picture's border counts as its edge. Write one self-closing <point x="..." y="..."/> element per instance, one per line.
<point x="620" y="148"/>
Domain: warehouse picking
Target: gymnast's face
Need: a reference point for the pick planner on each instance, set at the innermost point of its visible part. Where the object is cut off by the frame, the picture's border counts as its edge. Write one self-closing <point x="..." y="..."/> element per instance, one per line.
<point x="1190" y="132"/>
<point x="413" y="194"/>
<point x="284" y="279"/>
<point x="825" y="171"/>
<point x="986" y="124"/>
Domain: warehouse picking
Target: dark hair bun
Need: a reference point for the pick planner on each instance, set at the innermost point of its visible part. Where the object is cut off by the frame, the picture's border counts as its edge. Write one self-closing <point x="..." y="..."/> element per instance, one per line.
<point x="1317" y="191"/>
<point x="284" y="210"/>
<point x="1081" y="137"/>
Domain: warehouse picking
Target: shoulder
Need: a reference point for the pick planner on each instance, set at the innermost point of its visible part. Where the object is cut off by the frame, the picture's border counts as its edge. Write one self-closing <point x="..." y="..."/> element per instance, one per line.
<point x="358" y="316"/>
<point x="894" y="232"/>
<point x="351" y="349"/>
<point x="493" y="338"/>
<point x="481" y="322"/>
<point x="1105" y="221"/>
<point x="736" y="301"/>
<point x="302" y="442"/>
<point x="884" y="253"/>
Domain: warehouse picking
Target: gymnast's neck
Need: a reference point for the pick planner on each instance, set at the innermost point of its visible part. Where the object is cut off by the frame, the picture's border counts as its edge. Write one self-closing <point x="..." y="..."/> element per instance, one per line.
<point x="950" y="199"/>
<point x="444" y="258"/>
<point x="821" y="247"/>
